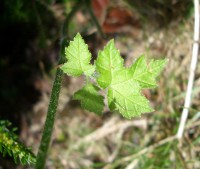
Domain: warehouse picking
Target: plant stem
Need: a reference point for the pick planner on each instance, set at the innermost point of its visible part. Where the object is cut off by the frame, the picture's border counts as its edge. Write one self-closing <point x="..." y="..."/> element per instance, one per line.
<point x="65" y="30"/>
<point x="49" y="123"/>
<point x="193" y="65"/>
<point x="88" y="6"/>
<point x="53" y="104"/>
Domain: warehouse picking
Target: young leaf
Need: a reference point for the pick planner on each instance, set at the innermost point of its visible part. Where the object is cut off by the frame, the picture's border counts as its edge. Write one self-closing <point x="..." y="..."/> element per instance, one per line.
<point x="146" y="74"/>
<point x="78" y="58"/>
<point x="108" y="62"/>
<point x="125" y="84"/>
<point x="90" y="99"/>
<point x="124" y="94"/>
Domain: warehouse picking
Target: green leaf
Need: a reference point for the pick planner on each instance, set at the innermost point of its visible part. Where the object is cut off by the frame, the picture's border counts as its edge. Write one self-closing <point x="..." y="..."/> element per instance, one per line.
<point x="124" y="94"/>
<point x="90" y="99"/>
<point x="146" y="74"/>
<point x="125" y="84"/>
<point x="78" y="58"/>
<point x="108" y="62"/>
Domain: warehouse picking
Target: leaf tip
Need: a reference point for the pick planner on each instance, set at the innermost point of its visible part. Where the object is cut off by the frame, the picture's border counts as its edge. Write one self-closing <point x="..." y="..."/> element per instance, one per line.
<point x="111" y="43"/>
<point x="78" y="35"/>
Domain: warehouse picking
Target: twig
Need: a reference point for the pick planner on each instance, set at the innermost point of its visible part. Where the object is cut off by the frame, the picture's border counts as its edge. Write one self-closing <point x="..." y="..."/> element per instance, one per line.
<point x="193" y="124"/>
<point x="133" y="164"/>
<point x="147" y="149"/>
<point x="119" y="144"/>
<point x="192" y="71"/>
<point x="108" y="128"/>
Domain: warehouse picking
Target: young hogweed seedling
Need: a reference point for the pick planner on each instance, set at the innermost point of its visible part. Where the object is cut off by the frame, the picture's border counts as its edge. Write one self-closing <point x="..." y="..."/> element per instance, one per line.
<point x="123" y="85"/>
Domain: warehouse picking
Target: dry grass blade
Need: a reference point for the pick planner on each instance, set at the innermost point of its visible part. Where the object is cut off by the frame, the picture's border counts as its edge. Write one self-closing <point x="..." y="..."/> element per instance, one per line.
<point x="108" y="128"/>
<point x="143" y="151"/>
<point x="132" y="165"/>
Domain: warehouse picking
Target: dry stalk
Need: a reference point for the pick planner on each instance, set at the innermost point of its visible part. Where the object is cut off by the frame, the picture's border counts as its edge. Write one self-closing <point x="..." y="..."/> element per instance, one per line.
<point x="110" y="127"/>
<point x="192" y="71"/>
<point x="143" y="151"/>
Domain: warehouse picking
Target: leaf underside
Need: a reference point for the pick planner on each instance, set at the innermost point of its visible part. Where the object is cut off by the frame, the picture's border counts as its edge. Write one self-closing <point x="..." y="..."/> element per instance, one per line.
<point x="90" y="99"/>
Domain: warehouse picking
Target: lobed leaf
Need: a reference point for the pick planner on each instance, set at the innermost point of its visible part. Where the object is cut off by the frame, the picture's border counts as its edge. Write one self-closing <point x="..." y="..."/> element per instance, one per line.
<point x="145" y="73"/>
<point x="108" y="62"/>
<point x="124" y="95"/>
<point x="78" y="58"/>
<point x="90" y="99"/>
<point x="125" y="84"/>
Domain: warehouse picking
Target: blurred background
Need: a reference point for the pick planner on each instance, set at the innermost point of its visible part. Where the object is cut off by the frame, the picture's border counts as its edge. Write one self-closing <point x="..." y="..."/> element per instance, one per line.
<point x="30" y="32"/>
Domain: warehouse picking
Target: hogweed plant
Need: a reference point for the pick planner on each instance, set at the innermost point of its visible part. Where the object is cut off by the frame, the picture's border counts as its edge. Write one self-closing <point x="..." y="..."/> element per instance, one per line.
<point x="122" y="86"/>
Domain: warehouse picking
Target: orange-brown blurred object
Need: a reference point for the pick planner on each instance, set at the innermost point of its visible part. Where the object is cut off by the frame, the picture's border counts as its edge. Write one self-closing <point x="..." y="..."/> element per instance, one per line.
<point x="100" y="8"/>
<point x="113" y="19"/>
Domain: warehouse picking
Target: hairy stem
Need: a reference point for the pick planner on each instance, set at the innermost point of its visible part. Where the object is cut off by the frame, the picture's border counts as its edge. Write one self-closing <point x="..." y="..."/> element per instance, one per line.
<point x="53" y="104"/>
<point x="50" y="118"/>
<point x="49" y="123"/>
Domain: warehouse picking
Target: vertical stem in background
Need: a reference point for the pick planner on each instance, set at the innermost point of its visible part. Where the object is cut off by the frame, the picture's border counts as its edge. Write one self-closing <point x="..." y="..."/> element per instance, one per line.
<point x="192" y="70"/>
<point x="89" y="8"/>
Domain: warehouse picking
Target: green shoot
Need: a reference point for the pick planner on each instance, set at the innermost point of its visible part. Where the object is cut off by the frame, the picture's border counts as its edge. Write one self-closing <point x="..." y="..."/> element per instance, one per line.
<point x="122" y="85"/>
